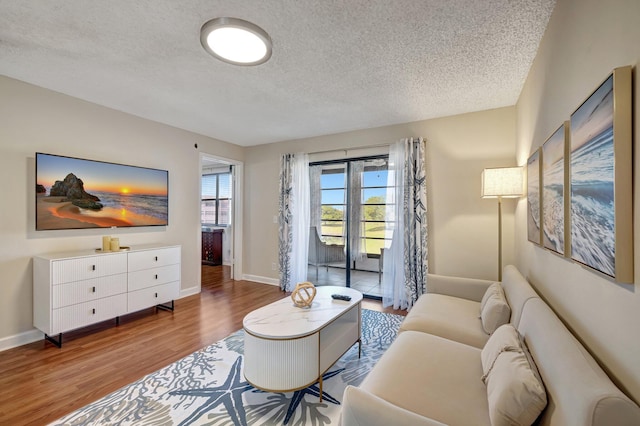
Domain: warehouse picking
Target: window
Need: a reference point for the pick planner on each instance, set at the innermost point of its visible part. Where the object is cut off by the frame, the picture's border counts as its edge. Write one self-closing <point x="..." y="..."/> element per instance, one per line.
<point x="333" y="204"/>
<point x="373" y="227"/>
<point x="216" y="199"/>
<point x="374" y="207"/>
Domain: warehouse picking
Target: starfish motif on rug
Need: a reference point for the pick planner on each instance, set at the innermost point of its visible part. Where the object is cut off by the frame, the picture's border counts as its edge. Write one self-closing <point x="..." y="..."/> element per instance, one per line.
<point x="229" y="394"/>
<point x="314" y="390"/>
<point x="208" y="387"/>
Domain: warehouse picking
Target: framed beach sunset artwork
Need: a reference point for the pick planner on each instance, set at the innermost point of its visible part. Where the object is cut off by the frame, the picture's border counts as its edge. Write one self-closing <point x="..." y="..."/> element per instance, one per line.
<point x="534" y="202"/>
<point x="74" y="193"/>
<point x="601" y="179"/>
<point x="555" y="178"/>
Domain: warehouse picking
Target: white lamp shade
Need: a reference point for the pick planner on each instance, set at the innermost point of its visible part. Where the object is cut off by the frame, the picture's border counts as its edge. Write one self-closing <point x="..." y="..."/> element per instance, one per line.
<point x="502" y="182"/>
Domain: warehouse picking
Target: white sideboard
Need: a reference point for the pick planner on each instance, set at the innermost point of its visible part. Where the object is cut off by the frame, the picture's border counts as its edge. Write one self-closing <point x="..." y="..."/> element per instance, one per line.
<point x="76" y="289"/>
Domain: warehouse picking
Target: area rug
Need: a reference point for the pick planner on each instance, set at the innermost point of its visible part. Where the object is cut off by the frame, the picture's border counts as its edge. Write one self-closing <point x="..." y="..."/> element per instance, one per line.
<point x="208" y="388"/>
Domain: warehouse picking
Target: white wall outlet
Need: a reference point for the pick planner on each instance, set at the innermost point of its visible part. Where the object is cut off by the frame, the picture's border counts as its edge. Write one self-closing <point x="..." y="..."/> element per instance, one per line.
<point x="274" y="266"/>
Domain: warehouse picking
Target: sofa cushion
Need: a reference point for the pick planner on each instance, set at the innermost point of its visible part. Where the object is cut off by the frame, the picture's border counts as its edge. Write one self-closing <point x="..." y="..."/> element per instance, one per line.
<point x="433" y="377"/>
<point x="506" y="337"/>
<point x="361" y="408"/>
<point x="447" y="316"/>
<point x="465" y="288"/>
<point x="495" y="311"/>
<point x="515" y="394"/>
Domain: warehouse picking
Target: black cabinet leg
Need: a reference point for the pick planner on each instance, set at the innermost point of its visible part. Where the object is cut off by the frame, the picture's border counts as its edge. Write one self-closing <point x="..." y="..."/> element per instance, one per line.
<point x="166" y="307"/>
<point x="58" y="342"/>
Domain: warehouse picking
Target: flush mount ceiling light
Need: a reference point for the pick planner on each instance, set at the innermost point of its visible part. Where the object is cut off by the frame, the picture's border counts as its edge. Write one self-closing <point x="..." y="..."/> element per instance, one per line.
<point x="236" y="41"/>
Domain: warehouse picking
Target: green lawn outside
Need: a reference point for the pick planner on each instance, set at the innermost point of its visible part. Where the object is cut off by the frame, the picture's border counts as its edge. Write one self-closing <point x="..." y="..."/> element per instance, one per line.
<point x="372" y="230"/>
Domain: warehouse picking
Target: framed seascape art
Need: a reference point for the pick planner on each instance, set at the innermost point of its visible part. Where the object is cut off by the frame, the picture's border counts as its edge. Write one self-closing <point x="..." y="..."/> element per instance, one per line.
<point x="601" y="179"/>
<point x="555" y="178"/>
<point x="534" y="204"/>
<point x="75" y="193"/>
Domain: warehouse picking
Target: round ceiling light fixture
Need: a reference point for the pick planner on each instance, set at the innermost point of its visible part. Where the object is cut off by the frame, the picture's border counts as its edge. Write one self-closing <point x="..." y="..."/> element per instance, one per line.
<point x="236" y="41"/>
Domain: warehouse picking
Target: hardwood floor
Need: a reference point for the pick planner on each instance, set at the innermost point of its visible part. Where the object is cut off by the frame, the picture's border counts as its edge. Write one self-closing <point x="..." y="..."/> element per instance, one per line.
<point x="40" y="383"/>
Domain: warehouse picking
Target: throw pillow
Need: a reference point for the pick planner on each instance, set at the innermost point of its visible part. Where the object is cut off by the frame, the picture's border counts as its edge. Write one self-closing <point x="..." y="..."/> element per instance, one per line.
<point x="487" y="294"/>
<point x="496" y="311"/>
<point x="504" y="338"/>
<point x="514" y="393"/>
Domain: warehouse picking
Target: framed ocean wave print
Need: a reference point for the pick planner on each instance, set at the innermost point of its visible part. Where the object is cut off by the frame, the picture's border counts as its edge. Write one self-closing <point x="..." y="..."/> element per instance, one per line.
<point x="534" y="202"/>
<point x="555" y="178"/>
<point x="601" y="179"/>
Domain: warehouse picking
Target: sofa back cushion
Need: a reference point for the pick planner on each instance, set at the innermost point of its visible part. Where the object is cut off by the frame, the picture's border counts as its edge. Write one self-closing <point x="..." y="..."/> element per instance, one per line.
<point x="578" y="391"/>
<point x="517" y="290"/>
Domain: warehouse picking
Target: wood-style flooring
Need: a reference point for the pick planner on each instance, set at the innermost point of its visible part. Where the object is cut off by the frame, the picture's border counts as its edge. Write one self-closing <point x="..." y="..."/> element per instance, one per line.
<point x="40" y="383"/>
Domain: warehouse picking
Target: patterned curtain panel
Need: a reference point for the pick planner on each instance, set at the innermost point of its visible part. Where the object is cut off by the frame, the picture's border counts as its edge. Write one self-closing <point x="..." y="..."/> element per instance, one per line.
<point x="293" y="235"/>
<point x="405" y="263"/>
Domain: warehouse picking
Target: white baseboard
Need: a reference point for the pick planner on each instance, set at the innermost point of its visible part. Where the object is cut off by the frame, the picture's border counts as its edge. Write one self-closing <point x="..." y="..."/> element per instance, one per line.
<point x="263" y="280"/>
<point x="34" y="335"/>
<point x="16" y="340"/>
<point x="186" y="292"/>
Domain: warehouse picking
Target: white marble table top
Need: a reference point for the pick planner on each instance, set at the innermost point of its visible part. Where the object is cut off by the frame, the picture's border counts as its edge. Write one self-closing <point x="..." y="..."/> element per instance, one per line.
<point x="283" y="320"/>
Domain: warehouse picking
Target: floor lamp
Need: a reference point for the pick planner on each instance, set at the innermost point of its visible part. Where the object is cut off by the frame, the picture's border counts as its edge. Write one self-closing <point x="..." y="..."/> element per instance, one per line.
<point x="502" y="182"/>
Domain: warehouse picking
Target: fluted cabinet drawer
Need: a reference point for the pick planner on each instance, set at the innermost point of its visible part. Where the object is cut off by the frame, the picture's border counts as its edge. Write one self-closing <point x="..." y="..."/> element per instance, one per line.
<point x="152" y="277"/>
<point x="76" y="316"/>
<point x="70" y="270"/>
<point x="151" y="296"/>
<point x="83" y="291"/>
<point x="281" y="364"/>
<point x="147" y="259"/>
<point x="79" y="288"/>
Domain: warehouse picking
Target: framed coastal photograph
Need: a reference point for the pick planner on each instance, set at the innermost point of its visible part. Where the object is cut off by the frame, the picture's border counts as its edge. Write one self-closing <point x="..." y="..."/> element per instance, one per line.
<point x="75" y="193"/>
<point x="555" y="176"/>
<point x="601" y="179"/>
<point x="534" y="202"/>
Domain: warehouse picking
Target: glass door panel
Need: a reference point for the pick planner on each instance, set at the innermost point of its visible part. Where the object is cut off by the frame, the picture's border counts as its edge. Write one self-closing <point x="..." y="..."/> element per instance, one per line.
<point x="328" y="257"/>
<point x="348" y="220"/>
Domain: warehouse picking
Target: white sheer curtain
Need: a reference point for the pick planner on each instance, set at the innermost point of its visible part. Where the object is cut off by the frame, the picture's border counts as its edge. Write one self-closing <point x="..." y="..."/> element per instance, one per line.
<point x="315" y="196"/>
<point x="356" y="243"/>
<point x="294" y="220"/>
<point x="405" y="262"/>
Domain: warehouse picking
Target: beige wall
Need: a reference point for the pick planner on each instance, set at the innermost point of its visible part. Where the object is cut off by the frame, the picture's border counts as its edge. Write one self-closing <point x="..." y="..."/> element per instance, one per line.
<point x="585" y="40"/>
<point x="32" y="120"/>
<point x="462" y="226"/>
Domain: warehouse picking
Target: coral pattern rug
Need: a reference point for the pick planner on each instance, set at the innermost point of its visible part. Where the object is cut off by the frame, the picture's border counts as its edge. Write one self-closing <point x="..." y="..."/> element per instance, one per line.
<point x="208" y="388"/>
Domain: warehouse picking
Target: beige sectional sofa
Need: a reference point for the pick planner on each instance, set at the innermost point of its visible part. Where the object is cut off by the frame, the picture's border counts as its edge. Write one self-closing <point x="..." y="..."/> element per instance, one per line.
<point x="433" y="373"/>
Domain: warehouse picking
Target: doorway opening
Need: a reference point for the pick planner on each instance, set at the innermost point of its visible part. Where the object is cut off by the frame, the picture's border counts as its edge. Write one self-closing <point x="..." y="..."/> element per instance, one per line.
<point x="220" y="219"/>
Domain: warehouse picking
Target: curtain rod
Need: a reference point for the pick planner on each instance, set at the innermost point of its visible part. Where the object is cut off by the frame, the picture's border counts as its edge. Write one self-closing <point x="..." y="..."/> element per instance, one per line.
<point x="350" y="149"/>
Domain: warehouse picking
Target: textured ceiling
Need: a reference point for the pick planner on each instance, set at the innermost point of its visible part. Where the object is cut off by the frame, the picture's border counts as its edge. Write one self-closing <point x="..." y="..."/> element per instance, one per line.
<point x="336" y="65"/>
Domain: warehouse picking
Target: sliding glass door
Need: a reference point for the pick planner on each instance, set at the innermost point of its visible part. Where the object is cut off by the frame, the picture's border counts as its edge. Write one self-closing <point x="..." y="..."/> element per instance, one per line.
<point x="348" y="220"/>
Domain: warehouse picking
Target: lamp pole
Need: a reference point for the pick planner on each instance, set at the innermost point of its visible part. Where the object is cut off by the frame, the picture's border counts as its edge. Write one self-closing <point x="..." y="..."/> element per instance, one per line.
<point x="499" y="238"/>
<point x="497" y="183"/>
